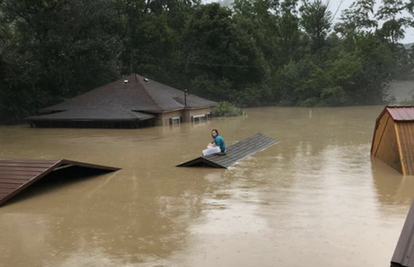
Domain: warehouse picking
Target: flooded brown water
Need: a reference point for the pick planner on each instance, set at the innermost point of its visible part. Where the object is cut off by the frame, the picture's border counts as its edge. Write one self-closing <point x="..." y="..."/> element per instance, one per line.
<point x="315" y="199"/>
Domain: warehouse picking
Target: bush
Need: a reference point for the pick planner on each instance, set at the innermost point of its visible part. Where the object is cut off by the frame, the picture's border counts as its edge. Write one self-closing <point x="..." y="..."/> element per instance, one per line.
<point x="226" y="109"/>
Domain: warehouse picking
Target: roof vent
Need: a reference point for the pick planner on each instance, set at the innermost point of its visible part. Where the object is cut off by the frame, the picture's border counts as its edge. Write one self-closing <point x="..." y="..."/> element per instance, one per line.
<point x="146" y="80"/>
<point x="126" y="82"/>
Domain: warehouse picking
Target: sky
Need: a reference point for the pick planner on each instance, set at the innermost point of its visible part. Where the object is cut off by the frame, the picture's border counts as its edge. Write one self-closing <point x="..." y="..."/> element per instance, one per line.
<point x="336" y="6"/>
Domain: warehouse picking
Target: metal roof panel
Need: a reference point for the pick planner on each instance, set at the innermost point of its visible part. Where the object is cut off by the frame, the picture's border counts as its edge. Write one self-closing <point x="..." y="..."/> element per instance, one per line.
<point x="18" y="174"/>
<point x="234" y="153"/>
<point x="401" y="113"/>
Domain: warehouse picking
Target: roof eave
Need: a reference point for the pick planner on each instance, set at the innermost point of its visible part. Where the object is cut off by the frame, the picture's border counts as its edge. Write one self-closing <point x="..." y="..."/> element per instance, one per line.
<point x="83" y="120"/>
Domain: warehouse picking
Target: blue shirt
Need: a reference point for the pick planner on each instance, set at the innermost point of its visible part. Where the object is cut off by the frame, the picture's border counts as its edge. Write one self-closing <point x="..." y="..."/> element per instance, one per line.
<point x="219" y="141"/>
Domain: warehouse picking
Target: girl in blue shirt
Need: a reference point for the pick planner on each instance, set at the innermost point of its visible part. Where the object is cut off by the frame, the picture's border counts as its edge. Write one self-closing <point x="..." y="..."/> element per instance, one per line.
<point x="218" y="140"/>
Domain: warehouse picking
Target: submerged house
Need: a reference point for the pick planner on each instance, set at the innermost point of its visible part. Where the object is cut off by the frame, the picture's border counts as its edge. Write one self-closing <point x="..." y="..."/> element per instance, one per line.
<point x="393" y="140"/>
<point x="131" y="102"/>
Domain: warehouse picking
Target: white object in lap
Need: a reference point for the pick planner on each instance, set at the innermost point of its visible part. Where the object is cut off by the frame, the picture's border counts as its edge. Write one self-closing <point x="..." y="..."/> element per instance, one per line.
<point x="212" y="150"/>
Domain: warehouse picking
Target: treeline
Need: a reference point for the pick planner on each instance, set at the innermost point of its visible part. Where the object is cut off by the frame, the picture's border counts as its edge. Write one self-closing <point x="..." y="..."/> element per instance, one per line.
<point x="258" y="52"/>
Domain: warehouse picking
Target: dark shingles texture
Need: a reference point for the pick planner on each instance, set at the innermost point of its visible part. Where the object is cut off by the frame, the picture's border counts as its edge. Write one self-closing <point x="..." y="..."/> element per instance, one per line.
<point x="95" y="113"/>
<point x="132" y="97"/>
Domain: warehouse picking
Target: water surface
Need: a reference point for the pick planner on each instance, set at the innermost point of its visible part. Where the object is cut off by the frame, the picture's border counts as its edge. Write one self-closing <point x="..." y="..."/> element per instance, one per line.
<point x="315" y="199"/>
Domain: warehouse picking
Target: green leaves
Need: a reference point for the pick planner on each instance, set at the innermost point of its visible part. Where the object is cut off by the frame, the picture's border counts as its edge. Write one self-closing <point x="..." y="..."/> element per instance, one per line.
<point x="258" y="52"/>
<point x="55" y="49"/>
<point x="226" y="109"/>
<point x="316" y="21"/>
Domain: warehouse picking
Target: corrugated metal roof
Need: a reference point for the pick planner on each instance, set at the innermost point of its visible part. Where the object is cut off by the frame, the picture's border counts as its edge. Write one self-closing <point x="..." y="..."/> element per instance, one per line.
<point x="401" y="113"/>
<point x="18" y="174"/>
<point x="234" y="153"/>
<point x="404" y="251"/>
<point x="123" y="99"/>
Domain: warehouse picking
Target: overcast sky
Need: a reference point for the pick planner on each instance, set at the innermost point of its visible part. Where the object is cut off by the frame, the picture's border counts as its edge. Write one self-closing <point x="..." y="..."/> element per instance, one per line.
<point x="336" y="6"/>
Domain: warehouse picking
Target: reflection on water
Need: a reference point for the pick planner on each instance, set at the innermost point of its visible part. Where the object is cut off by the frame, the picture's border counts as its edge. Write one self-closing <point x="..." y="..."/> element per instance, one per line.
<point x="315" y="199"/>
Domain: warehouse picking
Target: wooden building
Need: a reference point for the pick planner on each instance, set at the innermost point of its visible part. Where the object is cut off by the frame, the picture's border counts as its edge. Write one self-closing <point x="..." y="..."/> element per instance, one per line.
<point x="393" y="140"/>
<point x="131" y="102"/>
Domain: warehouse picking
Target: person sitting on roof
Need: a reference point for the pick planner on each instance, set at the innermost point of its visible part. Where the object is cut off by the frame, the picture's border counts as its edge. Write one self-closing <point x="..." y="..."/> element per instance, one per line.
<point x="218" y="141"/>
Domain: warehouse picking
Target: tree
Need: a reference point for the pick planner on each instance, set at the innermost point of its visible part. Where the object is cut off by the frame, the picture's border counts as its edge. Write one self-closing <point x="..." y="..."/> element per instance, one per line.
<point x="286" y="29"/>
<point x="57" y="49"/>
<point x="394" y="23"/>
<point x="357" y="19"/>
<point x="151" y="37"/>
<point x="218" y="53"/>
<point x="316" y="21"/>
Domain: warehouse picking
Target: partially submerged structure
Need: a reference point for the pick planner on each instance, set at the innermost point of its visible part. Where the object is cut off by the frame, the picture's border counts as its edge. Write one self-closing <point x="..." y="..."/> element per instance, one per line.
<point x="18" y="174"/>
<point x="404" y="251"/>
<point x="131" y="102"/>
<point x="393" y="140"/>
<point x="234" y="153"/>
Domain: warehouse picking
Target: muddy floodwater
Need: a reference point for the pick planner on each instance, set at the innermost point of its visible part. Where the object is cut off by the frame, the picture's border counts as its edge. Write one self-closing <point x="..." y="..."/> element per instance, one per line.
<point x="315" y="199"/>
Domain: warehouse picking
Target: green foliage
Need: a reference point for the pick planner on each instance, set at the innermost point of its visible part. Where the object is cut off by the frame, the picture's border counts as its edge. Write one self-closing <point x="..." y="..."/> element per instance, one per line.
<point x="226" y="109"/>
<point x="316" y="21"/>
<point x="333" y="96"/>
<point x="56" y="50"/>
<point x="285" y="82"/>
<point x="258" y="52"/>
<point x="221" y="53"/>
<point x="286" y="28"/>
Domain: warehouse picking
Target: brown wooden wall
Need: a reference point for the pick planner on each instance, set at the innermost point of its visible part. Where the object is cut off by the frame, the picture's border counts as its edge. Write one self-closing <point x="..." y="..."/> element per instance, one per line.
<point x="378" y="133"/>
<point x="406" y="134"/>
<point x="385" y="143"/>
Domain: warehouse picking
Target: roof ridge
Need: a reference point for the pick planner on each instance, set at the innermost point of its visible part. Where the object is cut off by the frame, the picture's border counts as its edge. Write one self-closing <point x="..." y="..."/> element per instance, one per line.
<point x="145" y="90"/>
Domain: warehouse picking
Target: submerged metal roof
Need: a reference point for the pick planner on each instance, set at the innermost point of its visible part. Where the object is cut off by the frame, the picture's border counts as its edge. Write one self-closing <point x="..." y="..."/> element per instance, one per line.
<point x="404" y="251"/>
<point x="18" y="174"/>
<point x="234" y="153"/>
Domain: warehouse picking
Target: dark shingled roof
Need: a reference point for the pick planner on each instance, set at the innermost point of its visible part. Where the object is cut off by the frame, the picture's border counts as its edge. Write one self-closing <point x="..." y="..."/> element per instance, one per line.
<point x="234" y="153"/>
<point x="132" y="97"/>
<point x="95" y="113"/>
